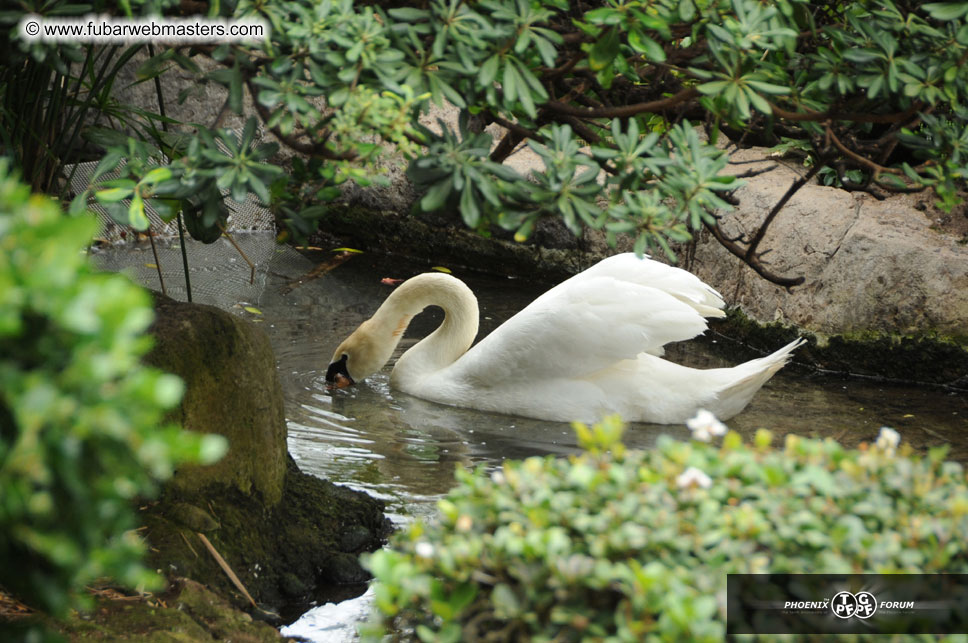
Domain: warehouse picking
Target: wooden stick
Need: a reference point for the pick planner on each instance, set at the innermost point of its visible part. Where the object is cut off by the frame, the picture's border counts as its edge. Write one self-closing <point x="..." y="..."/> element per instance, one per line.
<point x="225" y="568"/>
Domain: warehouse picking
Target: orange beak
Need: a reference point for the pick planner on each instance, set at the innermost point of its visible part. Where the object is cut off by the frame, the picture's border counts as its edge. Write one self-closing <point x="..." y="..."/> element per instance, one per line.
<point x="341" y="381"/>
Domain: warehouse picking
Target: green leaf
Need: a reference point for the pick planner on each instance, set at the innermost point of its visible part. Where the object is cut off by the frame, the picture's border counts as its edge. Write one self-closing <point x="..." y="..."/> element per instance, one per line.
<point x="79" y="203"/>
<point x="154" y="66"/>
<point x="604" y="50"/>
<point x="767" y="88"/>
<point x="506" y="602"/>
<point x="136" y="213"/>
<point x="488" y="71"/>
<point x="509" y="83"/>
<point x="113" y="195"/>
<point x="687" y="10"/>
<point x="946" y="10"/>
<point x="436" y="196"/>
<point x="104" y="137"/>
<point x="166" y="209"/>
<point x="647" y="46"/>
<point x="155" y="176"/>
<point x="409" y="14"/>
<point x="758" y="101"/>
<point x="714" y="88"/>
<point x="469" y="209"/>
<point x="603" y="16"/>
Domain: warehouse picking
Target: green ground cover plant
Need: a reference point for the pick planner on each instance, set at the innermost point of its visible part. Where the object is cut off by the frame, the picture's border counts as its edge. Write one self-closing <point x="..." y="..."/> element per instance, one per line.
<point x="621" y="545"/>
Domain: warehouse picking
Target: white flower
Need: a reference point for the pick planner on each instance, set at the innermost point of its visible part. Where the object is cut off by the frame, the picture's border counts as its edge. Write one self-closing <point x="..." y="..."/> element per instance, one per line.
<point x="888" y="440"/>
<point x="693" y="477"/>
<point x="704" y="425"/>
<point x="424" y="549"/>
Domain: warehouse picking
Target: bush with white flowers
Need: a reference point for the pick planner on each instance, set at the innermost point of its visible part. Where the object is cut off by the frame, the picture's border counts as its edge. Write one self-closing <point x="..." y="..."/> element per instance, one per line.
<point x="629" y="545"/>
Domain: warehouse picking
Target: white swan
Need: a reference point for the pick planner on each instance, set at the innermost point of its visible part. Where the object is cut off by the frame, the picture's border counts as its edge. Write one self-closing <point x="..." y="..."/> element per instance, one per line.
<point x="588" y="347"/>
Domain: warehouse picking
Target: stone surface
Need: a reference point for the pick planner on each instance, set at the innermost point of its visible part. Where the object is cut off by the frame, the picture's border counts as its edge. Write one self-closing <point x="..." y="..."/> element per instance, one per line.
<point x="870" y="265"/>
<point x="231" y="388"/>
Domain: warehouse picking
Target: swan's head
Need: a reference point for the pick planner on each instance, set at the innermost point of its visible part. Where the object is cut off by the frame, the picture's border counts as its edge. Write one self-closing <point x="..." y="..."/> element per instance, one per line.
<point x="359" y="356"/>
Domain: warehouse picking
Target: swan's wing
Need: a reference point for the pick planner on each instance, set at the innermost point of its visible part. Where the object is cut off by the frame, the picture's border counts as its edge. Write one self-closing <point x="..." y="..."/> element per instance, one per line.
<point x="643" y="271"/>
<point x="578" y="328"/>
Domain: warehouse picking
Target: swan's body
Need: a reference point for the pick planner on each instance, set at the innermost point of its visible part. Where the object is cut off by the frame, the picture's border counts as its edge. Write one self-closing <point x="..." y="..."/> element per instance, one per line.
<point x="588" y="347"/>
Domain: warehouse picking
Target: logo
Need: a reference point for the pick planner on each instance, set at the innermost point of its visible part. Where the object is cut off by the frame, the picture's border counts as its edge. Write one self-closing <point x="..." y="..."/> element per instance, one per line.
<point x="847" y="605"/>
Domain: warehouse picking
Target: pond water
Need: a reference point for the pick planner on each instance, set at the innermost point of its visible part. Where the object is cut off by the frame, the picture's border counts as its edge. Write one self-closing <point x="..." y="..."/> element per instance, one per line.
<point x="404" y="450"/>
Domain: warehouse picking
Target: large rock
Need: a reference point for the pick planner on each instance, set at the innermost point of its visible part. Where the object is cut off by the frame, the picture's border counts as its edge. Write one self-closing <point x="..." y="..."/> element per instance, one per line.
<point x="231" y="388"/>
<point x="288" y="536"/>
<point x="886" y="286"/>
<point x="869" y="265"/>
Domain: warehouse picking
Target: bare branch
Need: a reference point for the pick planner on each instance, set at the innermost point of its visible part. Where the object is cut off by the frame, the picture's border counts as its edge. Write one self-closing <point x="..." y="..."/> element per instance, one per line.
<point x="799" y="183"/>
<point x="623" y="111"/>
<point x="753" y="262"/>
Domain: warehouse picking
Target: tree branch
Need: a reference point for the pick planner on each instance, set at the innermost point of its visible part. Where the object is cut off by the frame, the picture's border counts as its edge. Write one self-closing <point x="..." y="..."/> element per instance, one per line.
<point x="753" y="262"/>
<point x="854" y="156"/>
<point x="799" y="183"/>
<point x="623" y="111"/>
<point x="811" y="115"/>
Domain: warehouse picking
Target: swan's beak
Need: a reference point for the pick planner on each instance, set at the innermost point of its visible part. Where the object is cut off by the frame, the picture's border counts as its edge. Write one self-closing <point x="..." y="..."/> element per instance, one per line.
<point x="337" y="375"/>
<point x="341" y="381"/>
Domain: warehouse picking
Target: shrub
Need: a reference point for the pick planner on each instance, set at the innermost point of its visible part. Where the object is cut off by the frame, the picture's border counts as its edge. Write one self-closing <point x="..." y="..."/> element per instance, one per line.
<point x="636" y="545"/>
<point x="869" y="95"/>
<point x="81" y="430"/>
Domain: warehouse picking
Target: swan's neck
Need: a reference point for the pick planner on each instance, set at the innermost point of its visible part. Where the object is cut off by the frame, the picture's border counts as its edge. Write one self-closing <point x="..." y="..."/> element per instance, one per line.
<point x="442" y="347"/>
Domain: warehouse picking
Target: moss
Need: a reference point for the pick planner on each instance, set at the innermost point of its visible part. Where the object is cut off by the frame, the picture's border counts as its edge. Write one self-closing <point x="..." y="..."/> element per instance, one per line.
<point x="231" y="388"/>
<point x="927" y="358"/>
<point x="187" y="611"/>
<point x="285" y="554"/>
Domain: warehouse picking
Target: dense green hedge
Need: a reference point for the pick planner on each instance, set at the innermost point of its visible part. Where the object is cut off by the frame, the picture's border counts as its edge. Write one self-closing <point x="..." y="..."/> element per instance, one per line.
<point x="81" y="430"/>
<point x="635" y="545"/>
<point x="869" y="95"/>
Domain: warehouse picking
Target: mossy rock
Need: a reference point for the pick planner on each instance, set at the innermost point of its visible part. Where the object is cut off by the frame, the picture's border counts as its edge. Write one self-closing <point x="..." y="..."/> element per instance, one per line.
<point x="285" y="554"/>
<point x="433" y="241"/>
<point x="288" y="536"/>
<point x="926" y="359"/>
<point x="231" y="388"/>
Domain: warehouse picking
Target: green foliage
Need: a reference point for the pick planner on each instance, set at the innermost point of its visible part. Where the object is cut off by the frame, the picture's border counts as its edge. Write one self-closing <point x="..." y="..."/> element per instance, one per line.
<point x="81" y="429"/>
<point x="635" y="545"/>
<point x="869" y="94"/>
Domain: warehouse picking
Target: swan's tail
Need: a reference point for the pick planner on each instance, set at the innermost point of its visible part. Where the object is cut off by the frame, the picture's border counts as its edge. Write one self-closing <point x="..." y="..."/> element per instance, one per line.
<point x="747" y="378"/>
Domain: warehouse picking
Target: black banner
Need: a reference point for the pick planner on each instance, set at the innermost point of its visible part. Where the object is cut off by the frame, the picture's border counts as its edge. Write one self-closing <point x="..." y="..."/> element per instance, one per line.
<point x="846" y="603"/>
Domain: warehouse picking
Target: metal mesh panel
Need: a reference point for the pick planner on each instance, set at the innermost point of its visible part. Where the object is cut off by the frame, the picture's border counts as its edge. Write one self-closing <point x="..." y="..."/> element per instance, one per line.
<point x="219" y="274"/>
<point x="247" y="216"/>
